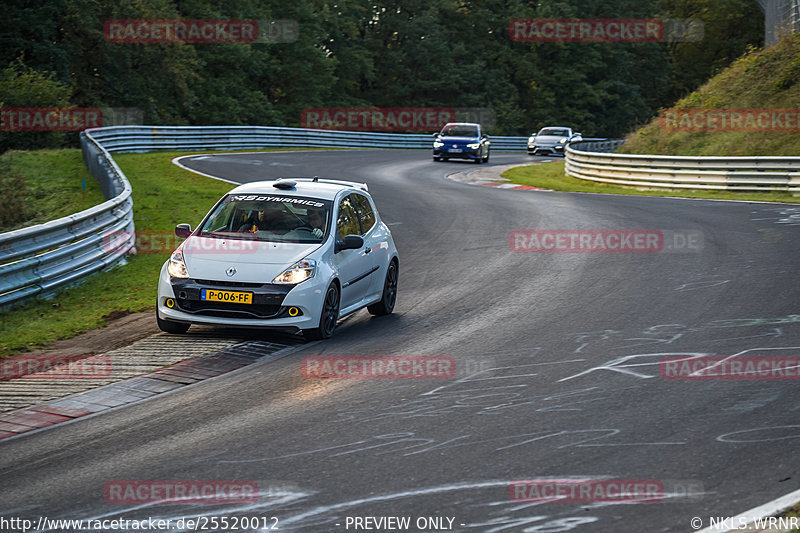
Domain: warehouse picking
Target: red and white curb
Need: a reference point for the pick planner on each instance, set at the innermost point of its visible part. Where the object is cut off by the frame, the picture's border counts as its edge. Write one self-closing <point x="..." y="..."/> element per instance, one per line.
<point x="180" y="369"/>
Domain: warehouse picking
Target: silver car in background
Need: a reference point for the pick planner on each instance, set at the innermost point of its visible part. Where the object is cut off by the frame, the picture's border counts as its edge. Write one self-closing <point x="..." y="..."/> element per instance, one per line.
<point x="551" y="140"/>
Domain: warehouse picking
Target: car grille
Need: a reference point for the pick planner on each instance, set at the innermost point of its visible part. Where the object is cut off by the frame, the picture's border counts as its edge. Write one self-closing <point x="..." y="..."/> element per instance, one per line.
<point x="228" y="283"/>
<point x="229" y="310"/>
<point x="267" y="299"/>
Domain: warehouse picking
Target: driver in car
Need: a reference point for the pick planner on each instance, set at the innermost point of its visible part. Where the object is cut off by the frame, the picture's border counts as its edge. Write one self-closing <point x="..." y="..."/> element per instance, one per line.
<point x="316" y="222"/>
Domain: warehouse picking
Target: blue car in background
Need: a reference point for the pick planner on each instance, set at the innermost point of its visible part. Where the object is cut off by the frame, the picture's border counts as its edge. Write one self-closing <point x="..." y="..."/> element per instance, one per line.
<point x="461" y="140"/>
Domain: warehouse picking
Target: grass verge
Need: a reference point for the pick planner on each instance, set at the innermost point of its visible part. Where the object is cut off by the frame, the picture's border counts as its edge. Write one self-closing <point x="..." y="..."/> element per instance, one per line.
<point x="163" y="196"/>
<point x="765" y="79"/>
<point x="794" y="512"/>
<point x="551" y="176"/>
<point x="44" y="185"/>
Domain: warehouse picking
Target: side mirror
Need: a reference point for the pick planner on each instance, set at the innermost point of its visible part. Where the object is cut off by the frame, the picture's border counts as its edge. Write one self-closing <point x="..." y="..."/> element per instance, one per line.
<point x="350" y="242"/>
<point x="183" y="230"/>
<point x="578" y="135"/>
<point x="436" y="134"/>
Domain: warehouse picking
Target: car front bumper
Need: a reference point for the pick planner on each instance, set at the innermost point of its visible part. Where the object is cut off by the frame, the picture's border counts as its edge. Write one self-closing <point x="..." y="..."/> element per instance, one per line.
<point x="270" y="307"/>
<point x="462" y="152"/>
<point x="548" y="149"/>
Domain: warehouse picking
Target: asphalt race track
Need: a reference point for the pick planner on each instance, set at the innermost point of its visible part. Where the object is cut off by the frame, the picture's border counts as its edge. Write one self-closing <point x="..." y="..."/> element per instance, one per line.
<point x="559" y="374"/>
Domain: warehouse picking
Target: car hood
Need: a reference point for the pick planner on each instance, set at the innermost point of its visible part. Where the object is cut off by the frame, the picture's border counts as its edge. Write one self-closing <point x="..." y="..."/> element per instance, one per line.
<point x="550" y="139"/>
<point x="253" y="261"/>
<point x="459" y="140"/>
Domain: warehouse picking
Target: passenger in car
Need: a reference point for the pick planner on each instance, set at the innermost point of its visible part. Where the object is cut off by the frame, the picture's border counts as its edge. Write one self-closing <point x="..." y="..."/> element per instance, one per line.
<point x="272" y="220"/>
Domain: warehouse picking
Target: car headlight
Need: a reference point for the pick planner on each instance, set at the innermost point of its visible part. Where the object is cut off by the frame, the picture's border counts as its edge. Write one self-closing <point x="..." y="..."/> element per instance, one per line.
<point x="438" y="144"/>
<point x="298" y="272"/>
<point x="176" y="266"/>
<point x="474" y="146"/>
<point x="562" y="140"/>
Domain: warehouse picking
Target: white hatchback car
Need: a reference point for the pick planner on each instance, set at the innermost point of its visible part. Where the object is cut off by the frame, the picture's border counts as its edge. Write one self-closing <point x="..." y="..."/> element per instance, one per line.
<point x="295" y="254"/>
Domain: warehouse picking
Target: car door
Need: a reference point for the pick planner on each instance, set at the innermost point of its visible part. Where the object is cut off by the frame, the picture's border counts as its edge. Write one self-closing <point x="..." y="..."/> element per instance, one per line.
<point x="355" y="267"/>
<point x="375" y="244"/>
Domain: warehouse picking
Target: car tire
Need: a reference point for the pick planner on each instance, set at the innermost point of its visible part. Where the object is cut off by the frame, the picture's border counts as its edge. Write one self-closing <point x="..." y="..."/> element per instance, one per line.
<point x="389" y="296"/>
<point x="168" y="326"/>
<point x="327" y="317"/>
<point x="437" y="159"/>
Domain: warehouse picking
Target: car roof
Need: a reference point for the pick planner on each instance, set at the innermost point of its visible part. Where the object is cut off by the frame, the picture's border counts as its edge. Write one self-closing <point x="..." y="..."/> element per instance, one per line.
<point x="324" y="189"/>
<point x="555" y="128"/>
<point x="462" y="124"/>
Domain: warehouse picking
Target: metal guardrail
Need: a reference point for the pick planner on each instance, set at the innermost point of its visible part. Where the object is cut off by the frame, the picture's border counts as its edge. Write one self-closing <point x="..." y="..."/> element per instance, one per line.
<point x="749" y="173"/>
<point x="147" y="138"/>
<point x="598" y="145"/>
<point x="38" y="259"/>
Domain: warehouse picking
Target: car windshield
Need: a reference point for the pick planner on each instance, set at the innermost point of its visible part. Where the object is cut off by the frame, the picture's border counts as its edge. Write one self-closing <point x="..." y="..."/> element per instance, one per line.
<point x="557" y="132"/>
<point x="459" y="130"/>
<point x="269" y="218"/>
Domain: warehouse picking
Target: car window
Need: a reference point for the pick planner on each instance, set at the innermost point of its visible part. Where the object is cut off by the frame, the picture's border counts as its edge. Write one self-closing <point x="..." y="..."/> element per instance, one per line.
<point x="554" y="131"/>
<point x="364" y="211"/>
<point x="347" y="223"/>
<point x="266" y="217"/>
<point x="460" y="131"/>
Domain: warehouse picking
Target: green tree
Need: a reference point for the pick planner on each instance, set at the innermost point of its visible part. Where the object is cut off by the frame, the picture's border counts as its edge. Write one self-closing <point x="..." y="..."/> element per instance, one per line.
<point x="387" y="53"/>
<point x="21" y="86"/>
<point x="159" y="79"/>
<point x="31" y="29"/>
<point x="730" y="26"/>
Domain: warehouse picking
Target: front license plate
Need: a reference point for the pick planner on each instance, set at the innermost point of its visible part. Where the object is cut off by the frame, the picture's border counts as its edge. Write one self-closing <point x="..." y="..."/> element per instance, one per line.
<point x="455" y="150"/>
<point x="234" y="297"/>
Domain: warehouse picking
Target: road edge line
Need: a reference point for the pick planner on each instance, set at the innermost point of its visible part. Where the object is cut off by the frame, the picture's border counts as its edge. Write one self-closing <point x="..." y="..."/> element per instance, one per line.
<point x="764" y="511"/>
